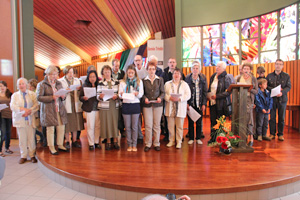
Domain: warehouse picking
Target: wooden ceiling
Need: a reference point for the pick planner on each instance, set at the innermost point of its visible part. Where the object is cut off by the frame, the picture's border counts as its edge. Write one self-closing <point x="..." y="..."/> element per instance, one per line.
<point x="139" y="19"/>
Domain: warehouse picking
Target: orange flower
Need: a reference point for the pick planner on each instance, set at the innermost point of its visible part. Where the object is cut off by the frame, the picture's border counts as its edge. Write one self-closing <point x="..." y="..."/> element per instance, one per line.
<point x="227" y="127"/>
<point x="217" y="126"/>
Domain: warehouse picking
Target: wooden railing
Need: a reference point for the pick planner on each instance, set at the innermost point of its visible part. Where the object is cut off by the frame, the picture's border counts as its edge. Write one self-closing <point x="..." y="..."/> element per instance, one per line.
<point x="290" y="67"/>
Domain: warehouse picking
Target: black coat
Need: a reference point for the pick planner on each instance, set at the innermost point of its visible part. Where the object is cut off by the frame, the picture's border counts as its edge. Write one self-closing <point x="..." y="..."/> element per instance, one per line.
<point x="167" y="76"/>
<point x="202" y="86"/>
<point x="282" y="79"/>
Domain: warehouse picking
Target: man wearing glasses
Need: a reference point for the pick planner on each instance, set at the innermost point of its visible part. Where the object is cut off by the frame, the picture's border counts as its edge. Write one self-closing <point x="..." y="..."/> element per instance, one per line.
<point x="278" y="77"/>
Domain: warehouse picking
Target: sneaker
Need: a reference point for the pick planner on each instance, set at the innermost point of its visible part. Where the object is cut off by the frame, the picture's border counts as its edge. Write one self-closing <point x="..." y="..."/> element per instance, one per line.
<point x="259" y="138"/>
<point x="134" y="149"/>
<point x="199" y="142"/>
<point x="266" y="138"/>
<point x="281" y="138"/>
<point x="170" y="144"/>
<point x="190" y="141"/>
<point x="272" y="137"/>
<point x="129" y="149"/>
<point x="178" y="146"/>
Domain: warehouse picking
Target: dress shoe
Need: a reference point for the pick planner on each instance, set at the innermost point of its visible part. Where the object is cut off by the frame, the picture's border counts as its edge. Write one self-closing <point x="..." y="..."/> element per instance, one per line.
<point x="108" y="146"/>
<point x="98" y="146"/>
<point x="22" y="160"/>
<point x="272" y="137"/>
<point x="190" y="141"/>
<point x="281" y="138"/>
<point x="91" y="148"/>
<point x="76" y="144"/>
<point x="157" y="148"/>
<point x="146" y="149"/>
<point x="68" y="145"/>
<point x="266" y="138"/>
<point x="116" y="145"/>
<point x="104" y="141"/>
<point x="62" y="148"/>
<point x="134" y="149"/>
<point x="33" y="160"/>
<point x="199" y="142"/>
<point x="54" y="153"/>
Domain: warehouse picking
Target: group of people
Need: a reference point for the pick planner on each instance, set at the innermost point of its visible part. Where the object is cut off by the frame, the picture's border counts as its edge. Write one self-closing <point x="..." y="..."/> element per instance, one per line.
<point x="160" y="97"/>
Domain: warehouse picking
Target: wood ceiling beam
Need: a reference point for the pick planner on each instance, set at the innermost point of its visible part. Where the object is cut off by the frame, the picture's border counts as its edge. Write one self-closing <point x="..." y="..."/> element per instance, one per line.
<point x="104" y="8"/>
<point x="53" y="34"/>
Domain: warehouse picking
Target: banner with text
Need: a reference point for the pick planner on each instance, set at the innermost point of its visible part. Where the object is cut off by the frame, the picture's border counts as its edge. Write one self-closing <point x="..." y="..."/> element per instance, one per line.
<point x="156" y="47"/>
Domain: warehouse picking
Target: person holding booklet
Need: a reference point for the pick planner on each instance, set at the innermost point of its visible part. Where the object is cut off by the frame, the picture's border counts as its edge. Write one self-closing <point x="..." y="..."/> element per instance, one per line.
<point x="52" y="110"/>
<point x="198" y="85"/>
<point x="109" y="108"/>
<point x="72" y="105"/>
<point x="90" y="106"/>
<point x="276" y="78"/>
<point x="131" y="90"/>
<point x="177" y="93"/>
<point x="152" y="103"/>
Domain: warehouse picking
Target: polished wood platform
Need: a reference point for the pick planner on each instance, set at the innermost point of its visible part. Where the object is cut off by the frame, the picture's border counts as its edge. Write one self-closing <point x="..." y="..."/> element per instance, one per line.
<point x="194" y="169"/>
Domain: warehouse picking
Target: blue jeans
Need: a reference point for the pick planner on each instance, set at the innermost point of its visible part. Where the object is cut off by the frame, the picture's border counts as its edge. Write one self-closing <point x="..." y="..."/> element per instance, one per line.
<point x="5" y="132"/>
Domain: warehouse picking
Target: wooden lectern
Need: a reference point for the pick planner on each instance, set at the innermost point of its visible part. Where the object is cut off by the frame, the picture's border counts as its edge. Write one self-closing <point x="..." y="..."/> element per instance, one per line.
<point x="239" y="115"/>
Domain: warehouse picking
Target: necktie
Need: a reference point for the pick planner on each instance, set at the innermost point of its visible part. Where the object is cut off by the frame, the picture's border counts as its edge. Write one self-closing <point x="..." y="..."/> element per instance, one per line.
<point x="25" y="103"/>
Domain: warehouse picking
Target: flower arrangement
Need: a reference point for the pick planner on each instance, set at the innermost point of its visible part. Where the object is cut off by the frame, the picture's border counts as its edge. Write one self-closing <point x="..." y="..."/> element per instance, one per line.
<point x="224" y="137"/>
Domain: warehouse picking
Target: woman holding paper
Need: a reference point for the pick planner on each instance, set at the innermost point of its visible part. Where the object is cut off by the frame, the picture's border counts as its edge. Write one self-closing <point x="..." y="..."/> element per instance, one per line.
<point x="131" y="90"/>
<point x="109" y="107"/>
<point x="152" y="104"/>
<point x="52" y="110"/>
<point x="90" y="106"/>
<point x="176" y="96"/>
<point x="6" y="118"/>
<point x="72" y="105"/>
<point x="24" y="106"/>
<point x="249" y="79"/>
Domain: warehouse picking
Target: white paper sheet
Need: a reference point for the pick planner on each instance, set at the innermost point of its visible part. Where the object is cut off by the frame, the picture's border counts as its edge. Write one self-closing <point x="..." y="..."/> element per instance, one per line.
<point x="3" y="106"/>
<point x="61" y="92"/>
<point x="275" y="91"/>
<point x="73" y="87"/>
<point x="153" y="101"/>
<point x="89" y="92"/>
<point x="128" y="96"/>
<point x="193" y="114"/>
<point x="109" y="93"/>
<point x="175" y="95"/>
<point x="18" y="115"/>
<point x="82" y="78"/>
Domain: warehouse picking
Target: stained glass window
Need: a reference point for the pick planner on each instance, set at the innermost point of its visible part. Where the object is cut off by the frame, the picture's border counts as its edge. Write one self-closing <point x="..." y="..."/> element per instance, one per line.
<point x="211" y="31"/>
<point x="268" y="25"/>
<point x="288" y="20"/>
<point x="288" y="48"/>
<point x="211" y="52"/>
<point x="249" y="28"/>
<point x="230" y="39"/>
<point x="268" y="57"/>
<point x="250" y="50"/>
<point x="231" y="59"/>
<point x="191" y="42"/>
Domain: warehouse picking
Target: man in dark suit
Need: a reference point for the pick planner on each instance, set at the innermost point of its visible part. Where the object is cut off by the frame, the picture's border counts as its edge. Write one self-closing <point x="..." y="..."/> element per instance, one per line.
<point x="117" y="73"/>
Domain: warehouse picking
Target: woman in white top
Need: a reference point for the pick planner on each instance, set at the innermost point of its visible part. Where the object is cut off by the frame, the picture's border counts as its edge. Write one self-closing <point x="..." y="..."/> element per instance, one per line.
<point x="131" y="90"/>
<point x="73" y="106"/>
<point x="24" y="105"/>
<point x="177" y="93"/>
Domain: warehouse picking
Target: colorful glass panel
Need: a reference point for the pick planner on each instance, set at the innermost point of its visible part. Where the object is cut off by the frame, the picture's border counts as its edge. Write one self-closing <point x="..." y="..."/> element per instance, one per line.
<point x="268" y="57"/>
<point x="211" y="52"/>
<point x="230" y="37"/>
<point x="288" y="20"/>
<point x="250" y="50"/>
<point x="231" y="59"/>
<point x="268" y="31"/>
<point x="191" y="42"/>
<point x="249" y="28"/>
<point x="288" y="48"/>
<point x="211" y="31"/>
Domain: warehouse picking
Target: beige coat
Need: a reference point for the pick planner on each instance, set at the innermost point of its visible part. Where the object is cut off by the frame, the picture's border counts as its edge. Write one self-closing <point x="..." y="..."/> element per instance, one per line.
<point x="48" y="114"/>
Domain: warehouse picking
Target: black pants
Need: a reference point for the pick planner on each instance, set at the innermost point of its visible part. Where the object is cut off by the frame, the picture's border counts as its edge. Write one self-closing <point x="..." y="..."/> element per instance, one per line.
<point x="262" y="123"/>
<point x="5" y="132"/>
<point x="198" y="126"/>
<point x="214" y="115"/>
<point x="281" y="108"/>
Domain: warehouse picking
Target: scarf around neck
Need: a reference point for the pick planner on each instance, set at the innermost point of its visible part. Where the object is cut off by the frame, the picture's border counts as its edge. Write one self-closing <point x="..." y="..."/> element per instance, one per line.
<point x="132" y="83"/>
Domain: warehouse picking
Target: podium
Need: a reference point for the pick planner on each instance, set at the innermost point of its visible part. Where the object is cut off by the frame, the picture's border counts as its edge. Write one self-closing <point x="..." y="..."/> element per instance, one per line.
<point x="239" y="116"/>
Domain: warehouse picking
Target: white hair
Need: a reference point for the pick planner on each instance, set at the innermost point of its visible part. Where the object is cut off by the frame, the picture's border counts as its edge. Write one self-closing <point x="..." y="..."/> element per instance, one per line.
<point x="154" y="197"/>
<point x="222" y="64"/>
<point x="50" y="69"/>
<point x="153" y="57"/>
<point x="21" y="79"/>
<point x="196" y="62"/>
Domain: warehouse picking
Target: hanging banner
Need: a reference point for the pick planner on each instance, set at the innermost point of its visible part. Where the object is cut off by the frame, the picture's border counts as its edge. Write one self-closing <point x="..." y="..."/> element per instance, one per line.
<point x="156" y="48"/>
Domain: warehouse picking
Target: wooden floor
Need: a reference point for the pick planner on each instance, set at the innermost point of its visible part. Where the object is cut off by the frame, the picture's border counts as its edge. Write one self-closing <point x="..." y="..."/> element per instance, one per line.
<point x="194" y="169"/>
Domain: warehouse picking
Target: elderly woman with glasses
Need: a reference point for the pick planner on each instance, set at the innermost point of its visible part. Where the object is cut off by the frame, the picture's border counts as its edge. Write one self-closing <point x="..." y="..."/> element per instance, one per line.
<point x="52" y="110"/>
